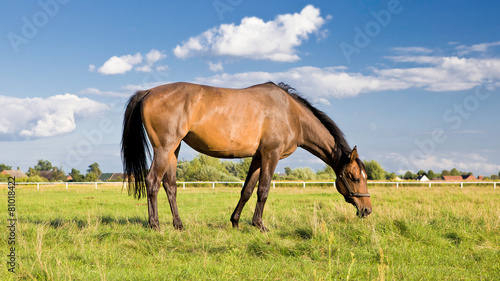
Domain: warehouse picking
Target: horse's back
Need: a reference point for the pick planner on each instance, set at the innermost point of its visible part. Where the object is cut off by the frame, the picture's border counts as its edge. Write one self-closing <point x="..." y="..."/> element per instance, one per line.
<point x="220" y="122"/>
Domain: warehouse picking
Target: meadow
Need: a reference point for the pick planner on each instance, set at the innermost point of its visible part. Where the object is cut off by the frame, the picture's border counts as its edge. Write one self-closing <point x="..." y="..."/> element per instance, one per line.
<point x="414" y="233"/>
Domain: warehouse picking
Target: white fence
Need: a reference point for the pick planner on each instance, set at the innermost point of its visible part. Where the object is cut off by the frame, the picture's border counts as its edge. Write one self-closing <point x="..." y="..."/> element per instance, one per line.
<point x="303" y="184"/>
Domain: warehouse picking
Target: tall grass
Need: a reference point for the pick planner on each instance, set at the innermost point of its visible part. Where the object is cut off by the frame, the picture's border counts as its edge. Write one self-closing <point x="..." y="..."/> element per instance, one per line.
<point x="414" y="233"/>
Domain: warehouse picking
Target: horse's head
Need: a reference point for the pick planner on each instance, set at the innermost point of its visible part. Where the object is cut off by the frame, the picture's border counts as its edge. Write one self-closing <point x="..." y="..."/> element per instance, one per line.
<point x="351" y="182"/>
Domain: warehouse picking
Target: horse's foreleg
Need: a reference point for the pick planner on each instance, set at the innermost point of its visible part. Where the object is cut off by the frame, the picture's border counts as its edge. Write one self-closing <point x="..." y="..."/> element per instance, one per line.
<point x="247" y="190"/>
<point x="170" y="186"/>
<point x="269" y="162"/>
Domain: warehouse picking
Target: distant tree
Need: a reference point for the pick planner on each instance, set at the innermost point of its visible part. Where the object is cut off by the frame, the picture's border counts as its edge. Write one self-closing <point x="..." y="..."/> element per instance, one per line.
<point x="374" y="170"/>
<point x="58" y="174"/>
<point x="421" y="173"/>
<point x="288" y="171"/>
<point x="390" y="176"/>
<point x="32" y="172"/>
<point x="304" y="174"/>
<point x="242" y="167"/>
<point x="4" y="167"/>
<point x="76" y="175"/>
<point x="43" y="165"/>
<point x="93" y="172"/>
<point x="455" y="172"/>
<point x="494" y="177"/>
<point x="499" y="173"/>
<point x="431" y="175"/>
<point x="409" y="175"/>
<point x="445" y="173"/>
<point x="326" y="174"/>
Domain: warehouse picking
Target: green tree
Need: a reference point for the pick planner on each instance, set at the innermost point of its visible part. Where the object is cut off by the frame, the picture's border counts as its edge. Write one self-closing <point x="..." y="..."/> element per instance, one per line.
<point x="76" y="175"/>
<point x="431" y="175"/>
<point x="326" y="174"/>
<point x="409" y="175"/>
<point x="242" y="168"/>
<point x="288" y="171"/>
<point x="374" y="170"/>
<point x="445" y="173"/>
<point x="58" y="174"/>
<point x="93" y="172"/>
<point x="43" y="165"/>
<point x="421" y="173"/>
<point x="305" y="174"/>
<point x="455" y="172"/>
<point x="32" y="172"/>
<point x="4" y="167"/>
<point x="390" y="176"/>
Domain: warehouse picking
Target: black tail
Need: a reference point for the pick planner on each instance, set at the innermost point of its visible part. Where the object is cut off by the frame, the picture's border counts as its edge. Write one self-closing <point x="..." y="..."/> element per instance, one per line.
<point x="135" y="148"/>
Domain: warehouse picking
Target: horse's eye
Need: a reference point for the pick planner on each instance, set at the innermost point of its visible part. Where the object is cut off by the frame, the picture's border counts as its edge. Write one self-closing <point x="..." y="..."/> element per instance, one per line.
<point x="355" y="180"/>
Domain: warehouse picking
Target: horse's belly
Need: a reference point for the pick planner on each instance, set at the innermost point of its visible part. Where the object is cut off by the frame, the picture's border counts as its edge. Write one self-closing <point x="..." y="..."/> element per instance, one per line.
<point x="222" y="143"/>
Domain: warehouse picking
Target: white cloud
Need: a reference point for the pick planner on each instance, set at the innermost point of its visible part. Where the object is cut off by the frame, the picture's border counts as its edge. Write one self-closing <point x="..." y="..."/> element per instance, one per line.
<point x="412" y="50"/>
<point x="120" y="65"/>
<point x="215" y="67"/>
<point x="254" y="38"/>
<point x="480" y="48"/>
<point x="151" y="58"/>
<point x="444" y="73"/>
<point x="38" y="117"/>
<point x="125" y="63"/>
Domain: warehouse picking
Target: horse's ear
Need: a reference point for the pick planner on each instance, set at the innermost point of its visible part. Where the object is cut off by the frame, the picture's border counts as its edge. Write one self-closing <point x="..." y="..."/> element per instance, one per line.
<point x="354" y="154"/>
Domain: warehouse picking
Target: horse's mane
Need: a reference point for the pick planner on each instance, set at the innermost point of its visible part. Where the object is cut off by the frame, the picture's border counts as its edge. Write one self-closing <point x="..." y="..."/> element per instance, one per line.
<point x="340" y="141"/>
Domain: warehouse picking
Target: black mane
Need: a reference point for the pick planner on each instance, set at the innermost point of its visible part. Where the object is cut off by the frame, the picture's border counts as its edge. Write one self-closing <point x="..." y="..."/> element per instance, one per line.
<point x="340" y="141"/>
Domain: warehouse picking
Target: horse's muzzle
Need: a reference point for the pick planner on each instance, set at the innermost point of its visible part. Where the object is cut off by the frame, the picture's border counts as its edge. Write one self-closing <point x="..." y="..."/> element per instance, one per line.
<point x="364" y="212"/>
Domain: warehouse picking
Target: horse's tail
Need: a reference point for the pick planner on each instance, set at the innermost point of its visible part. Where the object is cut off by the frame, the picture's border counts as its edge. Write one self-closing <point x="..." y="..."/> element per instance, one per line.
<point x="135" y="148"/>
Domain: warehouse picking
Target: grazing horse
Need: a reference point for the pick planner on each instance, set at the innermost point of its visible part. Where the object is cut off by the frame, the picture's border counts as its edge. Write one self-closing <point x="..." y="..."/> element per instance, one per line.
<point x="266" y="122"/>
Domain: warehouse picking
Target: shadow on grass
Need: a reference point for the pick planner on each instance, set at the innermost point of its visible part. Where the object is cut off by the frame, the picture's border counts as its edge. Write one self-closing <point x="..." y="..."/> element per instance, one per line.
<point x="82" y="223"/>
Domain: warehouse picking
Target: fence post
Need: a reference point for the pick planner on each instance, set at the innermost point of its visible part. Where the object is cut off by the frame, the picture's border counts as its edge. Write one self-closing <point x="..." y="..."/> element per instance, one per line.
<point x="429" y="184"/>
<point x="397" y="185"/>
<point x="183" y="185"/>
<point x="66" y="185"/>
<point x="38" y="186"/>
<point x="274" y="185"/>
<point x="213" y="184"/>
<point x="304" y="184"/>
<point x="461" y="185"/>
<point x="95" y="185"/>
<point x="494" y="185"/>
<point x="334" y="185"/>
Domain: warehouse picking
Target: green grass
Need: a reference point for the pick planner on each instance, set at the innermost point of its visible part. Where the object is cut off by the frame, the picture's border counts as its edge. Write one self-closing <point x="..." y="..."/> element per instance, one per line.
<point x="414" y="233"/>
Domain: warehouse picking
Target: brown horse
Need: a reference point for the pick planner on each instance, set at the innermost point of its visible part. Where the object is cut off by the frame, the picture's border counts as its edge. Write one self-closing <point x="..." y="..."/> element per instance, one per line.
<point x="266" y="122"/>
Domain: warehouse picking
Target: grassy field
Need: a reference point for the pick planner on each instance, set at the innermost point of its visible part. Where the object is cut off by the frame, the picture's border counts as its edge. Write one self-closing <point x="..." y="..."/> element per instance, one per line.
<point x="416" y="233"/>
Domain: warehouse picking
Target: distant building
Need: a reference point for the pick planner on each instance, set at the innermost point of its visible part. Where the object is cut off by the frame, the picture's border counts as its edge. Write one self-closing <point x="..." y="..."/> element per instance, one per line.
<point x="423" y="178"/>
<point x="47" y="174"/>
<point x="459" y="178"/>
<point x="14" y="173"/>
<point x="112" y="177"/>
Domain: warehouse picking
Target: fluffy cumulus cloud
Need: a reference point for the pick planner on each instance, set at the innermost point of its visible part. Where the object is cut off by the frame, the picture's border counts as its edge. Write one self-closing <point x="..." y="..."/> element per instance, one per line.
<point x="254" y="38"/>
<point x="38" y="117"/>
<point x="430" y="73"/>
<point x="125" y="63"/>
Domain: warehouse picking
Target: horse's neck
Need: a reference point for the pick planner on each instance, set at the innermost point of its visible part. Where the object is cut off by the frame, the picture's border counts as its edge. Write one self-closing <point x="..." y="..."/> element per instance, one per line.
<point x="317" y="140"/>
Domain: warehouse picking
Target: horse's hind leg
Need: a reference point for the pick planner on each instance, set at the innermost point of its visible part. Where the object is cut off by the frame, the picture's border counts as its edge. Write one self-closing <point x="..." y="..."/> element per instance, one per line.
<point x="246" y="191"/>
<point x="170" y="186"/>
<point x="158" y="169"/>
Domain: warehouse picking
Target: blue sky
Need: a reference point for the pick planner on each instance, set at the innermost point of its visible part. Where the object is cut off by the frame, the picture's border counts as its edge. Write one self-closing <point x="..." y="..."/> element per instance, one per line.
<point x="414" y="84"/>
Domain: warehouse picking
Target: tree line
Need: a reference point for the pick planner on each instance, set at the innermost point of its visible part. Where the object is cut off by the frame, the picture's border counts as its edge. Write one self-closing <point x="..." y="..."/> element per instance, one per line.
<point x="56" y="174"/>
<point x="206" y="168"/>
